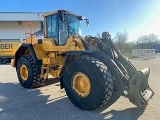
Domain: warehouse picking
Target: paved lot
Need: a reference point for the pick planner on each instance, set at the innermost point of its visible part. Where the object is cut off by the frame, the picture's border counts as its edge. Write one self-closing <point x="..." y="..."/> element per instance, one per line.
<point x="51" y="103"/>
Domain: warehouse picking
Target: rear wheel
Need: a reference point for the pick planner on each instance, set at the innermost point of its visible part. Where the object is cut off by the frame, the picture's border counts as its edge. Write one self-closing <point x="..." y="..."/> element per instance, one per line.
<point x="88" y="83"/>
<point x="27" y="72"/>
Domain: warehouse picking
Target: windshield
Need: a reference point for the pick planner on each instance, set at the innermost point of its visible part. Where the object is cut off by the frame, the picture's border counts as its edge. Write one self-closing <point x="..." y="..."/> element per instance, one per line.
<point x="74" y="26"/>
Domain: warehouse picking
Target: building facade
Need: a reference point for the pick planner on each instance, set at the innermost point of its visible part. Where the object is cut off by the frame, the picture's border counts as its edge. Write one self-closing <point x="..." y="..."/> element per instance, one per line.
<point x="13" y="25"/>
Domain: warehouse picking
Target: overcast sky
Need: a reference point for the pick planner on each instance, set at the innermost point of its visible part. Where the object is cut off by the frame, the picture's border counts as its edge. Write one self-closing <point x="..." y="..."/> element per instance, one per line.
<point x="138" y="17"/>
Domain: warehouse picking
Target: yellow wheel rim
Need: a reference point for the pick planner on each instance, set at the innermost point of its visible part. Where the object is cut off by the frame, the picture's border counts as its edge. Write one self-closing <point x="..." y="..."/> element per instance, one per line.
<point x="81" y="84"/>
<point x="24" y="72"/>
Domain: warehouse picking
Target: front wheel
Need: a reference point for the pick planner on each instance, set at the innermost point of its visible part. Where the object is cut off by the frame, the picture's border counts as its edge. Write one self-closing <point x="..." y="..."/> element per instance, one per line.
<point x="88" y="83"/>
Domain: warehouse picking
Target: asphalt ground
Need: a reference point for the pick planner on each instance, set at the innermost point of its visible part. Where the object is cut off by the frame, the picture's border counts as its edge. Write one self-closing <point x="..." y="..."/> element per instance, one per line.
<point x="51" y="103"/>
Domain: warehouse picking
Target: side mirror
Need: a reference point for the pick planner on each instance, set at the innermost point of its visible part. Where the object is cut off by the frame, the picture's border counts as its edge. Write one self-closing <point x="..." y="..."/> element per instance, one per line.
<point x="87" y="22"/>
<point x="83" y="18"/>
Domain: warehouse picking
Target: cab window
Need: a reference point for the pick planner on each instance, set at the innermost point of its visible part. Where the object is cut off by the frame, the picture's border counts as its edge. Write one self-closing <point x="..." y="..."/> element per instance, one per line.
<point x="51" y="27"/>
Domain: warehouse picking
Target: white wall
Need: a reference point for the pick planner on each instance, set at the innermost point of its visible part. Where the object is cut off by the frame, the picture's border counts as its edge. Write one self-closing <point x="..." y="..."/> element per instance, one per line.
<point x="20" y="16"/>
<point x="13" y="30"/>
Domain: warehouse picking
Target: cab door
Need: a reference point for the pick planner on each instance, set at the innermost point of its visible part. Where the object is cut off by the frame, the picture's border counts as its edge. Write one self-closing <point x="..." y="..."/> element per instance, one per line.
<point x="52" y="28"/>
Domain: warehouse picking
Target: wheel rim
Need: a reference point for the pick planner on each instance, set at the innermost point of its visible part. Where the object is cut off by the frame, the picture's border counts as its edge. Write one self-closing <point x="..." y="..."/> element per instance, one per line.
<point x="81" y="84"/>
<point x="24" y="72"/>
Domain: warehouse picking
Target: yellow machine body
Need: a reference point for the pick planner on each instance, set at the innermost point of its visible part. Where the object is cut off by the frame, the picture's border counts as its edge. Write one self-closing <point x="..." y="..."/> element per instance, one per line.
<point x="8" y="48"/>
<point x="50" y="53"/>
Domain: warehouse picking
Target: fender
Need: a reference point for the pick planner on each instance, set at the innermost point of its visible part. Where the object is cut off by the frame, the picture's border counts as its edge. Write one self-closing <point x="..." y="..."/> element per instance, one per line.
<point x="21" y="51"/>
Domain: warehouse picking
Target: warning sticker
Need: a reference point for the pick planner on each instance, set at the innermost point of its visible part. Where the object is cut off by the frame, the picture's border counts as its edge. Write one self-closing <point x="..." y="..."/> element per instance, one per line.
<point x="39" y="36"/>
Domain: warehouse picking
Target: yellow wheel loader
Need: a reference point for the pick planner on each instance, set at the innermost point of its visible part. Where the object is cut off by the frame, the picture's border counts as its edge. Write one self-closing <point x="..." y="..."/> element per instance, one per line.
<point x="89" y="69"/>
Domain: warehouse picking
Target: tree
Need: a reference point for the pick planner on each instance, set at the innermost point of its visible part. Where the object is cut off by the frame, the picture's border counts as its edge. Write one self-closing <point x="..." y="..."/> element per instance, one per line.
<point x="121" y="39"/>
<point x="147" y="41"/>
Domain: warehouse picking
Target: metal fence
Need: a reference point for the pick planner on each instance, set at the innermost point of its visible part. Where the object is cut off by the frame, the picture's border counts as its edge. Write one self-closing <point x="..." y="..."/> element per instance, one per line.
<point x="145" y="53"/>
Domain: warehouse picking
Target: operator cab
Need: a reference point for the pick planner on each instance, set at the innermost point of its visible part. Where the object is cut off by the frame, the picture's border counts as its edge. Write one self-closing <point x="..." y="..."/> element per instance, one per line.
<point x="62" y="24"/>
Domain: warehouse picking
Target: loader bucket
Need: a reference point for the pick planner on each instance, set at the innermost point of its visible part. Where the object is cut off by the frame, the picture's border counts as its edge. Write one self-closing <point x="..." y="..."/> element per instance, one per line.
<point x="139" y="90"/>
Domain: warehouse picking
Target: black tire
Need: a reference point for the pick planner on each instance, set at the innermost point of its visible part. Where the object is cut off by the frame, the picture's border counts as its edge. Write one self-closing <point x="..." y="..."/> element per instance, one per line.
<point x="33" y="79"/>
<point x="100" y="81"/>
<point x="4" y="61"/>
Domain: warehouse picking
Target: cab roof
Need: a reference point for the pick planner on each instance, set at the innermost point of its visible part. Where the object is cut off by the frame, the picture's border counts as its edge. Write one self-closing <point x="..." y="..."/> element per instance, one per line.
<point x="61" y="10"/>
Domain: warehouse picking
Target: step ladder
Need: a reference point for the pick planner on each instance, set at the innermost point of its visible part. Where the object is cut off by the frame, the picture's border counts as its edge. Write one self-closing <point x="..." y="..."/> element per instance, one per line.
<point x="43" y="75"/>
<point x="29" y="30"/>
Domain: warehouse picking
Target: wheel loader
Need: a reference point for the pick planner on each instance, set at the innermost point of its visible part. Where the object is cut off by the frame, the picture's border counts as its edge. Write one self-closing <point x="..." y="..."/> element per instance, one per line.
<point x="89" y="69"/>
